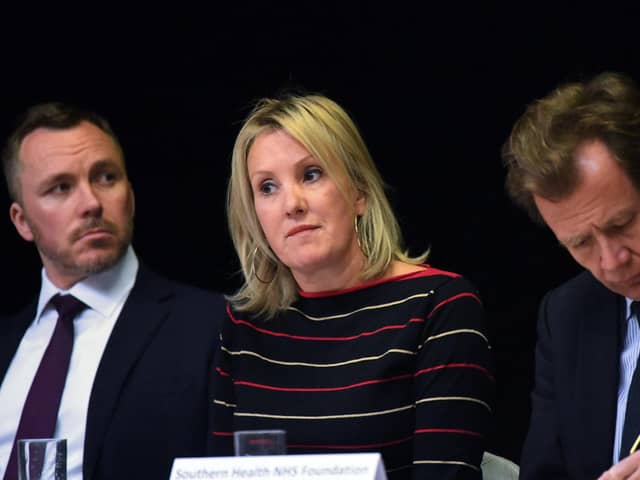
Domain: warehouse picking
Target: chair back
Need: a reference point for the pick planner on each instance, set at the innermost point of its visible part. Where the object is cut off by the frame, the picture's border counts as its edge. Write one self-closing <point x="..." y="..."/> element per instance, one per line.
<point x="495" y="467"/>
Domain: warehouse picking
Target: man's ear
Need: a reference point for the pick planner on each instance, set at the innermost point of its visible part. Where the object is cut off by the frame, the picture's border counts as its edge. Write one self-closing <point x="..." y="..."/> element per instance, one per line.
<point x="133" y="201"/>
<point x="19" y="220"/>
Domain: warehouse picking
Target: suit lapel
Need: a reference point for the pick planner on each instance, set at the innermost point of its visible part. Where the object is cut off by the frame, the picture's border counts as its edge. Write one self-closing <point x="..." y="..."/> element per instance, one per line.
<point x="598" y="378"/>
<point x="141" y="317"/>
<point x="12" y="330"/>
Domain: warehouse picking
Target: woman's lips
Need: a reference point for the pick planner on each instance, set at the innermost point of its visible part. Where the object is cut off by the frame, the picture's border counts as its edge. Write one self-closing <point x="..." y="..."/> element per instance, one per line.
<point x="300" y="229"/>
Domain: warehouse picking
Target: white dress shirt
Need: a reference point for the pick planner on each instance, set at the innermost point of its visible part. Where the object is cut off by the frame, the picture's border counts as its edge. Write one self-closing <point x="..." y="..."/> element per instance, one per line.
<point x="628" y="361"/>
<point x="104" y="294"/>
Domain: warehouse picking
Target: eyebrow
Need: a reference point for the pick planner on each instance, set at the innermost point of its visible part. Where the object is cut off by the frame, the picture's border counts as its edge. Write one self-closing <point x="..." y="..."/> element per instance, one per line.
<point x="574" y="240"/>
<point x="621" y="217"/>
<point x="54" y="179"/>
<point x="66" y="176"/>
<point x="106" y="163"/>
<point x="295" y="164"/>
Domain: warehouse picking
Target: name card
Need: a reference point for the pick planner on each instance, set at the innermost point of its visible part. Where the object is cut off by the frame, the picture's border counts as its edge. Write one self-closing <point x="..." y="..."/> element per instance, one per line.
<point x="342" y="466"/>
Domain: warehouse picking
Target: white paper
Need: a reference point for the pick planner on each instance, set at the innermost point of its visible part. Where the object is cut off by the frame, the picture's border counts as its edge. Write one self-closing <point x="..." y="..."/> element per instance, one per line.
<point x="342" y="466"/>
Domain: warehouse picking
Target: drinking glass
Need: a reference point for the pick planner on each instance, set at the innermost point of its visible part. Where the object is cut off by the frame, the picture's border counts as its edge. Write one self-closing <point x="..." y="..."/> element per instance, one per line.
<point x="42" y="459"/>
<point x="260" y="442"/>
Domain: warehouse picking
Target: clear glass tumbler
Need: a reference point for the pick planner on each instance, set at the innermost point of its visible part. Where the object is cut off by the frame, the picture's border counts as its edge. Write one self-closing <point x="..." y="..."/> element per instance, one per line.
<point x="42" y="459"/>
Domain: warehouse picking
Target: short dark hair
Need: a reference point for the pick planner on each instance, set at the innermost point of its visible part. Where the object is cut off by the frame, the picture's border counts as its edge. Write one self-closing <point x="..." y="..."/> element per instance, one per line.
<point x="540" y="152"/>
<point x="51" y="115"/>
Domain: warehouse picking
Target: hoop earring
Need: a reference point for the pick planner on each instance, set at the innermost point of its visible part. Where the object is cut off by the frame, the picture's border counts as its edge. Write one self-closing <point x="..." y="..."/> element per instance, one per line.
<point x="355" y="226"/>
<point x="254" y="271"/>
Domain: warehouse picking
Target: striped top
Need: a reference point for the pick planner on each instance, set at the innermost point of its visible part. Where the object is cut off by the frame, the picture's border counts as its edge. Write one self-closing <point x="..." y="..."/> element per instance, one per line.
<point x="400" y="365"/>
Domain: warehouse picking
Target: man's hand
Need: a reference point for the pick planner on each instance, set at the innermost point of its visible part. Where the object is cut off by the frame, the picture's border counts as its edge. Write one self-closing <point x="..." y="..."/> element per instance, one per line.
<point x="628" y="468"/>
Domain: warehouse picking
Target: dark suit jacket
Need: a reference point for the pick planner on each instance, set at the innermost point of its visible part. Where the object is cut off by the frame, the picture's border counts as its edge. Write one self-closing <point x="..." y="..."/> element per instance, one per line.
<point x="149" y="402"/>
<point x="574" y="401"/>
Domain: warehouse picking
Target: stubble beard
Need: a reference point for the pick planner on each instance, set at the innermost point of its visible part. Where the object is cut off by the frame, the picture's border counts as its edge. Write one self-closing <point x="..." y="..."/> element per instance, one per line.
<point x="103" y="258"/>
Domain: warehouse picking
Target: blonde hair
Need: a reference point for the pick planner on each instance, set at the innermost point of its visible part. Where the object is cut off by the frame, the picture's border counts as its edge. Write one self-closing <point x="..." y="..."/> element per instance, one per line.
<point x="330" y="135"/>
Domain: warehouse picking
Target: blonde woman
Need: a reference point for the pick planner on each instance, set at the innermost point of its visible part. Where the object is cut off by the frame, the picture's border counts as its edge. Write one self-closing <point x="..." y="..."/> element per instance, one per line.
<point x="338" y="336"/>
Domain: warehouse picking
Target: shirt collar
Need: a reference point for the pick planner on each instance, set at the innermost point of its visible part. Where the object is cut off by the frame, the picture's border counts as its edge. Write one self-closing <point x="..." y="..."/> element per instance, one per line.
<point x="629" y="312"/>
<point x="102" y="292"/>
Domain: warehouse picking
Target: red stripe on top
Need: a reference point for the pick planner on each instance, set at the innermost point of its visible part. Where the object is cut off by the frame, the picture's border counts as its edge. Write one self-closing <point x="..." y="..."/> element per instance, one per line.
<point x="319" y="339"/>
<point x="427" y="272"/>
<point x="222" y="434"/>
<point x="321" y="389"/>
<point x="222" y="372"/>
<point x="353" y="447"/>
<point x="456" y="365"/>
<point x="448" y="430"/>
<point x="451" y="299"/>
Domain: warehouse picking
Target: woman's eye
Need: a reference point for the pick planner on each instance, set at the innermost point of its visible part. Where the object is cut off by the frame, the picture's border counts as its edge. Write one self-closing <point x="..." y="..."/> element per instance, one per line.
<point x="312" y="174"/>
<point x="267" y="187"/>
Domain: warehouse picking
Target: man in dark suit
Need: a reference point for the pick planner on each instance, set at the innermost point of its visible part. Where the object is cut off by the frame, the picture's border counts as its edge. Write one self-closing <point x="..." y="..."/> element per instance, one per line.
<point x="135" y="393"/>
<point x="573" y="162"/>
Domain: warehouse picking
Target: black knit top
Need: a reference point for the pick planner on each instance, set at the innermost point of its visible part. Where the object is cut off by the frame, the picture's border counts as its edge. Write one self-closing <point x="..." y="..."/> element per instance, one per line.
<point x="401" y="366"/>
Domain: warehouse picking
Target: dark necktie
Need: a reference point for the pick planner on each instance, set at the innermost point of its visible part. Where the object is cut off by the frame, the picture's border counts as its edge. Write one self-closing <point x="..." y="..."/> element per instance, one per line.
<point x="40" y="411"/>
<point x="631" y="428"/>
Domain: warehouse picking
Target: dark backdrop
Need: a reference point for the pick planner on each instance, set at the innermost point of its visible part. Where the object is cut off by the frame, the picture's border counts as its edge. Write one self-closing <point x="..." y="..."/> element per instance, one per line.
<point x="434" y="88"/>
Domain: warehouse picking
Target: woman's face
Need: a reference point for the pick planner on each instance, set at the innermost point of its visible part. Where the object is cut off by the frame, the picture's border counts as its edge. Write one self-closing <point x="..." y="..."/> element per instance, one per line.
<point x="306" y="219"/>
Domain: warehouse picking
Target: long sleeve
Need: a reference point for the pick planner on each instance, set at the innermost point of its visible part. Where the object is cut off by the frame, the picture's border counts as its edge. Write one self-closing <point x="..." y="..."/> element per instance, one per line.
<point x="454" y="387"/>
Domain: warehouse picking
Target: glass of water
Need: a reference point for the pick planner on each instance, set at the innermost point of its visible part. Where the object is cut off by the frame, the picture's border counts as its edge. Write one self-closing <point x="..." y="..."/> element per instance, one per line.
<point x="260" y="442"/>
<point x="42" y="459"/>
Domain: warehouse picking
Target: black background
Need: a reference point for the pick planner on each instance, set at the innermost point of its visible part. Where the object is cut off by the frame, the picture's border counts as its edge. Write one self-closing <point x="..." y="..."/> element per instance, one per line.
<point x="434" y="88"/>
